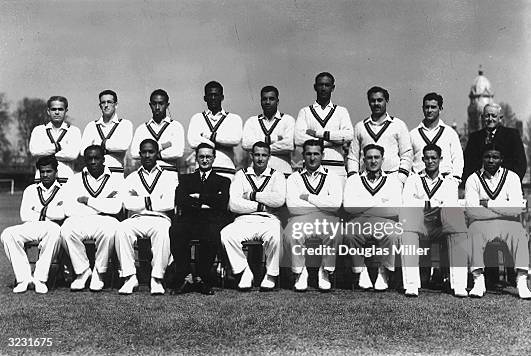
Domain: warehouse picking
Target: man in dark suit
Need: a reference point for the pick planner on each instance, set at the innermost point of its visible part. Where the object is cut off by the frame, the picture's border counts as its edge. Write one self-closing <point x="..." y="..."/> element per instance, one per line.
<point x="202" y="199"/>
<point x="508" y="140"/>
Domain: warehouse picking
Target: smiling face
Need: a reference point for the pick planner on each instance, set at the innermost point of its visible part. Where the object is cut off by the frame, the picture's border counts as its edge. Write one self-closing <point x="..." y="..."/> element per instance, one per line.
<point x="373" y="160"/>
<point x="377" y="103"/>
<point x="260" y="157"/>
<point x="431" y="110"/>
<point x="431" y="160"/>
<point x="491" y="117"/>
<point x="57" y="112"/>
<point x="94" y="160"/>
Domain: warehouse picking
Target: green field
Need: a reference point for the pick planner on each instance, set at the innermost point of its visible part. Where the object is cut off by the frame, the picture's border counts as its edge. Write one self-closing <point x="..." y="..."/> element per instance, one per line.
<point x="249" y="323"/>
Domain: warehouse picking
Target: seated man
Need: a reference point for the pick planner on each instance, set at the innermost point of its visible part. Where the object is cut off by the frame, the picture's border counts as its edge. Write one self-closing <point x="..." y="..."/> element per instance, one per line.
<point x="313" y="196"/>
<point x="40" y="211"/>
<point x="202" y="197"/>
<point x="441" y="218"/>
<point x="254" y="193"/>
<point x="494" y="204"/>
<point x="372" y="198"/>
<point x="149" y="194"/>
<point x="91" y="198"/>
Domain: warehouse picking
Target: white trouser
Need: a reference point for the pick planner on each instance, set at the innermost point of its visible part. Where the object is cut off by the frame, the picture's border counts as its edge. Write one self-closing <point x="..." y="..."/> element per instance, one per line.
<point x="14" y="237"/>
<point x="99" y="228"/>
<point x="248" y="228"/>
<point x="154" y="228"/>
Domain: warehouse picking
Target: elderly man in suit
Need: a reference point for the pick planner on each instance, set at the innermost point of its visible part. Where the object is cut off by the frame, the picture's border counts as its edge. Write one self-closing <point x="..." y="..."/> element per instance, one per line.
<point x="202" y="198"/>
<point x="507" y="140"/>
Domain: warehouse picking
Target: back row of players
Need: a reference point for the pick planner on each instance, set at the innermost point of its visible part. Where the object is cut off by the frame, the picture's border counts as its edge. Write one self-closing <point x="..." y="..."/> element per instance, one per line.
<point x="316" y="192"/>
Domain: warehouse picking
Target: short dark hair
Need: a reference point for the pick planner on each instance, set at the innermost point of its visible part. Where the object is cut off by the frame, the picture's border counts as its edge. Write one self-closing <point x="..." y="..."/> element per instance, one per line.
<point x="372" y="146"/>
<point x="160" y="92"/>
<point x="57" y="98"/>
<point x="94" y="148"/>
<point x="377" y="89"/>
<point x="432" y="147"/>
<point x="269" y="88"/>
<point x="312" y="142"/>
<point x="47" y="160"/>
<point x="214" y="84"/>
<point x="325" y="74"/>
<point x="433" y="96"/>
<point x="149" y="140"/>
<point x="491" y="147"/>
<point x="261" y="144"/>
<point x="204" y="145"/>
<point x="109" y="92"/>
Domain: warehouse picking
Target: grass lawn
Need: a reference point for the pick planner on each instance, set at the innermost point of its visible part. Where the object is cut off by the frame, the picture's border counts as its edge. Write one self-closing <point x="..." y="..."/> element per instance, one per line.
<point x="279" y="322"/>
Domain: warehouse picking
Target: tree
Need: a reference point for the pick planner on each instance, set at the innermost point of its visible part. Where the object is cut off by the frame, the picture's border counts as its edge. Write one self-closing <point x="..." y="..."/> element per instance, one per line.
<point x="5" y="119"/>
<point x="509" y="118"/>
<point x="30" y="113"/>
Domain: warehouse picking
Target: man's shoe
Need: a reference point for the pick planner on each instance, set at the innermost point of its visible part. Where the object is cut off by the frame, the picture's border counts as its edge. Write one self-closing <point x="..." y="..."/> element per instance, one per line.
<point x="324" y="280"/>
<point x="22" y="287"/>
<point x="301" y="284"/>
<point x="96" y="284"/>
<point x="80" y="281"/>
<point x="478" y="291"/>
<point x="204" y="288"/>
<point x="156" y="287"/>
<point x="268" y="283"/>
<point x="381" y="281"/>
<point x="521" y="285"/>
<point x="412" y="292"/>
<point x="40" y="287"/>
<point x="129" y="285"/>
<point x="184" y="288"/>
<point x="365" y="281"/>
<point x="246" y="281"/>
<point x="460" y="292"/>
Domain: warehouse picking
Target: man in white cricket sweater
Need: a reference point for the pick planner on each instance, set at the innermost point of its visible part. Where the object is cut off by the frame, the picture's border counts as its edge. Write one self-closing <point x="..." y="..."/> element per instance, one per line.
<point x="91" y="199"/>
<point x="494" y="203"/>
<point x="40" y="212"/>
<point x="149" y="194"/>
<point x="384" y="130"/>
<point x="327" y="122"/>
<point x="272" y="127"/>
<point x="430" y="210"/>
<point x="254" y="194"/>
<point x="217" y="128"/>
<point x="373" y="199"/>
<point x="314" y="195"/>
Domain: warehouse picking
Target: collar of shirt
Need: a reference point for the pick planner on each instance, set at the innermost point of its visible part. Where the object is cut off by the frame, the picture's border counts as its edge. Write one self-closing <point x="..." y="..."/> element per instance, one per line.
<point x="105" y="171"/>
<point x="217" y="116"/>
<point x="422" y="126"/>
<point x="317" y="105"/>
<point x="366" y="174"/>
<point x="114" y="119"/>
<point x="424" y="174"/>
<point x="276" y="116"/>
<point x="268" y="172"/>
<point x="487" y="132"/>
<point x="153" y="170"/>
<point x="64" y="125"/>
<point x="207" y="173"/>
<point x="321" y="170"/>
<point x="486" y="175"/>
<point x="372" y="122"/>
<point x="152" y="122"/>
<point x="46" y="190"/>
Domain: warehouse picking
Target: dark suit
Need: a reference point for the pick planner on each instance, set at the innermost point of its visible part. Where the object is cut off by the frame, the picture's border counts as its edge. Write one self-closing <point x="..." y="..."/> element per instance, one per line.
<point x="194" y="223"/>
<point x="509" y="142"/>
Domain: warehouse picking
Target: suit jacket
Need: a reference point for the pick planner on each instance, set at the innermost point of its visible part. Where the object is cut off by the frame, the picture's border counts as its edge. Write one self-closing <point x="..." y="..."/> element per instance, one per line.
<point x="511" y="147"/>
<point x="214" y="192"/>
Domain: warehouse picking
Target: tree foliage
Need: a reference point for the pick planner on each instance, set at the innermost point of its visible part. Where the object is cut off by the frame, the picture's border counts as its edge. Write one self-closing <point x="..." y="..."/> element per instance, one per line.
<point x="5" y="120"/>
<point x="509" y="117"/>
<point x="30" y="113"/>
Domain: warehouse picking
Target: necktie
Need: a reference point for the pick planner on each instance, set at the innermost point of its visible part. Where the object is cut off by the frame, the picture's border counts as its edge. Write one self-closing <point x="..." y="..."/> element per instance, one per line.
<point x="203" y="177"/>
<point x="490" y="137"/>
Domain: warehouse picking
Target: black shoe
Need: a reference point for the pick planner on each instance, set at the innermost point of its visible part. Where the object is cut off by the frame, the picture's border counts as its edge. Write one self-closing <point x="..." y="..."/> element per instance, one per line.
<point x="204" y="288"/>
<point x="184" y="288"/>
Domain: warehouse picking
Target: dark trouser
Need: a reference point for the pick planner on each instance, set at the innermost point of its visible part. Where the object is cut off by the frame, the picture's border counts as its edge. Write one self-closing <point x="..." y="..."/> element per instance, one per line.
<point x="181" y="233"/>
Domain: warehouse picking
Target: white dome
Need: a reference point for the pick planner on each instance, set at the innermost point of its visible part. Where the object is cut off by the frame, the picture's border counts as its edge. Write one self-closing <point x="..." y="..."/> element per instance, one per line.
<point x="481" y="86"/>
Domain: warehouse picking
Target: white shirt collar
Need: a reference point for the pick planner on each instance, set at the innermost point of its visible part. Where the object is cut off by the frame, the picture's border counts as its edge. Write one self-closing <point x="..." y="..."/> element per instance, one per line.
<point x="55" y="184"/>
<point x="371" y="121"/>
<point x="207" y="173"/>
<point x="105" y="171"/>
<point x="153" y="170"/>
<point x="114" y="119"/>
<point x="424" y="174"/>
<point x="218" y="115"/>
<point x="268" y="172"/>
<point x="365" y="173"/>
<point x="484" y="173"/>
<point x="166" y="119"/>
<point x="320" y="170"/>
<point x="317" y="105"/>
<point x="439" y="124"/>
<point x="64" y="125"/>
<point x="276" y="116"/>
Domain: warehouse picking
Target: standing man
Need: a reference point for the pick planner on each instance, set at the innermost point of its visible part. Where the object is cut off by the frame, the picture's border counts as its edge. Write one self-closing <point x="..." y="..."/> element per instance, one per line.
<point x="58" y="138"/>
<point x="494" y="203"/>
<point x="327" y="122"/>
<point x="254" y="194"/>
<point x="432" y="130"/>
<point x="168" y="133"/>
<point x="40" y="213"/>
<point x="91" y="198"/>
<point x="384" y="130"/>
<point x="149" y="193"/>
<point x="373" y="199"/>
<point x="507" y="140"/>
<point x="313" y="195"/>
<point x="202" y="198"/>
<point x="112" y="133"/>
<point x="430" y="209"/>
<point x="272" y="127"/>
<point x="217" y="128"/>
